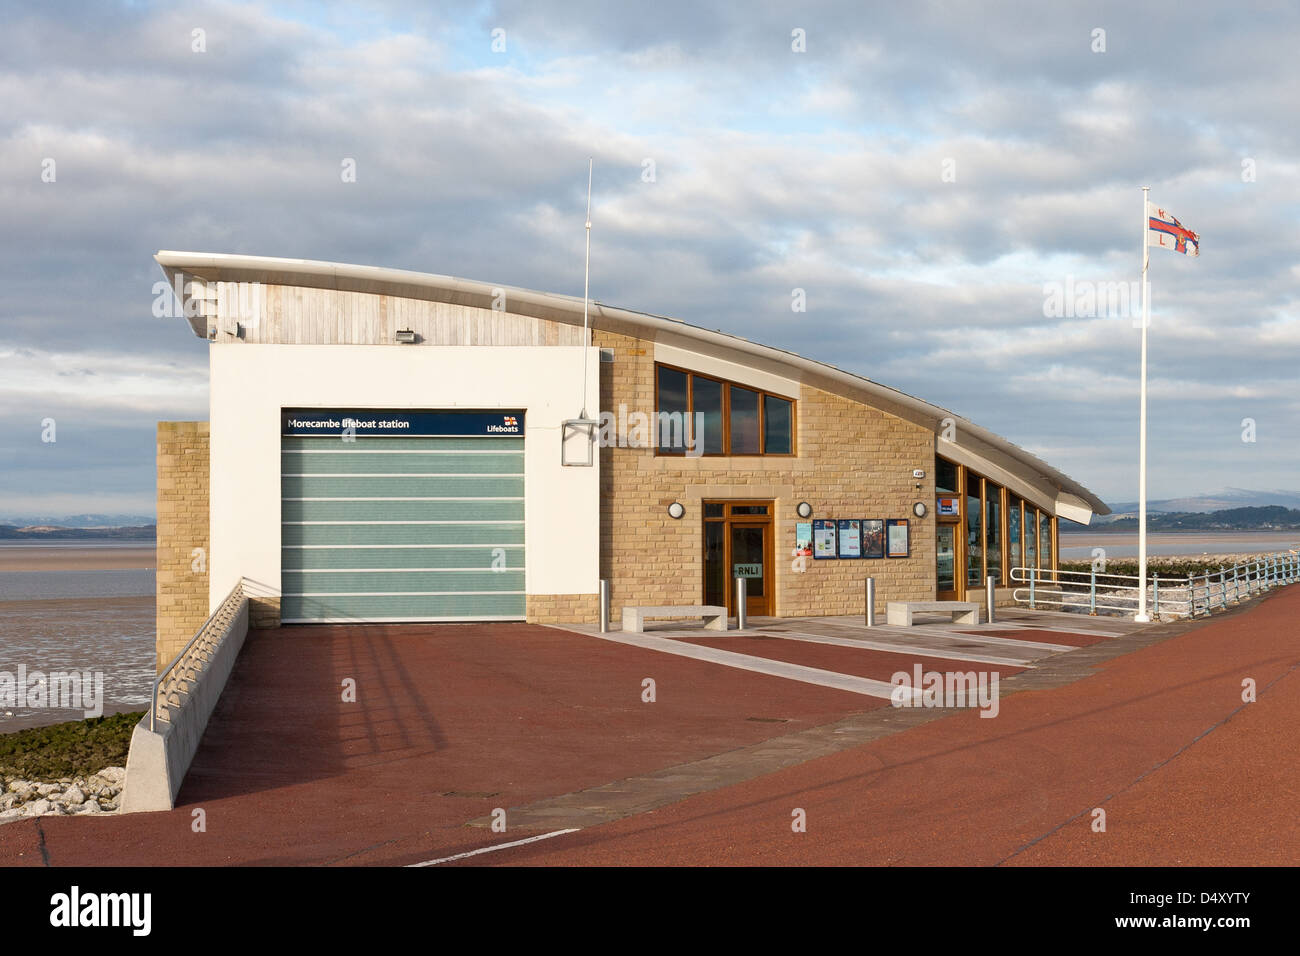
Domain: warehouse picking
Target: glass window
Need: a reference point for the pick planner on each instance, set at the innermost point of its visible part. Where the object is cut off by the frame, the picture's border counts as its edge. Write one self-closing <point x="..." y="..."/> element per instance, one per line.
<point x="1013" y="532"/>
<point x="945" y="477"/>
<point x="707" y="397"/>
<point x="703" y="415"/>
<point x="672" y="409"/>
<point x="946" y="557"/>
<point x="749" y="509"/>
<point x="1031" y="537"/>
<point x="715" y="568"/>
<point x="974" y="543"/>
<point x="747" y="548"/>
<point x="744" y="421"/>
<point x="715" y="509"/>
<point x="993" y="536"/>
<point x="1045" y="542"/>
<point x="778" y="414"/>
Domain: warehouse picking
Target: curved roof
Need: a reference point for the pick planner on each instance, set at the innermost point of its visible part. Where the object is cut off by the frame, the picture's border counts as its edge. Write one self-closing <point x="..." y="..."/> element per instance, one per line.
<point x="989" y="453"/>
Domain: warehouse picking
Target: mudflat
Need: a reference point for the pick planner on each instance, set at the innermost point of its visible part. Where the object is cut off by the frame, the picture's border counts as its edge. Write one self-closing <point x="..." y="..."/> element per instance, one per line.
<point x="40" y="558"/>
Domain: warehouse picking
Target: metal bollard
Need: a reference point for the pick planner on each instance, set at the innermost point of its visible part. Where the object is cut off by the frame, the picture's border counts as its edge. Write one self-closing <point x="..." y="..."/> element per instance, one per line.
<point x="742" y="591"/>
<point x="604" y="606"/>
<point x="990" y="596"/>
<point x="871" y="602"/>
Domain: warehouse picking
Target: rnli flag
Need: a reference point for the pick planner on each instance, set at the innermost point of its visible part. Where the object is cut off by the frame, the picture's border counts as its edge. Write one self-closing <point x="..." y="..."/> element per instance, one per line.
<point x="1164" y="230"/>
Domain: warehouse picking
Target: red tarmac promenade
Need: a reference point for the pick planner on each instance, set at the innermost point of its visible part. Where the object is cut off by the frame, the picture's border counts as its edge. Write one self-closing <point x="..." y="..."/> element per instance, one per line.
<point x="1159" y="739"/>
<point x="453" y="721"/>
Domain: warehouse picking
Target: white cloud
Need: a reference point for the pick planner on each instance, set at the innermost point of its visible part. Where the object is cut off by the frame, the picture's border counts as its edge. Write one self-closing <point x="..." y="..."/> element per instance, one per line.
<point x="774" y="170"/>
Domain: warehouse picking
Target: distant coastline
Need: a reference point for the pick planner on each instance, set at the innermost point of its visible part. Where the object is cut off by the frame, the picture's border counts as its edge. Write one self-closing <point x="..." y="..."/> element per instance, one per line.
<point x="1255" y="520"/>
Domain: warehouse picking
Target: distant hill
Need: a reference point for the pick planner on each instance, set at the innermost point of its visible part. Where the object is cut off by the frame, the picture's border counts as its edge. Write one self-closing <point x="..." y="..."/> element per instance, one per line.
<point x="9" y="532"/>
<point x="1225" y="500"/>
<point x="22" y="520"/>
<point x="1266" y="518"/>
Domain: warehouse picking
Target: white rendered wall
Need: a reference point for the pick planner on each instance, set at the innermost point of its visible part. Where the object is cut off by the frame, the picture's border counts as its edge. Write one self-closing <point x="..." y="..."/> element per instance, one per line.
<point x="251" y="383"/>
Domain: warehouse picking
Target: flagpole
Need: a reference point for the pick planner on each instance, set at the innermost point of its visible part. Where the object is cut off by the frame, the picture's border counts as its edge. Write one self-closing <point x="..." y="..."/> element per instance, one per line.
<point x="586" y="297"/>
<point x="1141" y="617"/>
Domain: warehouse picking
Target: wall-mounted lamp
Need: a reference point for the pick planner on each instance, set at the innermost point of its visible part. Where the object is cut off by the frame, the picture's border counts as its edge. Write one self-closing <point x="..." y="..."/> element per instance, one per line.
<point x="804" y="509"/>
<point x="405" y="336"/>
<point x="676" y="510"/>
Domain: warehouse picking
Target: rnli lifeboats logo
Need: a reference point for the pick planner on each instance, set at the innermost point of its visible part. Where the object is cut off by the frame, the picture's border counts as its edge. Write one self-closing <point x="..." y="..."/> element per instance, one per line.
<point x="509" y="423"/>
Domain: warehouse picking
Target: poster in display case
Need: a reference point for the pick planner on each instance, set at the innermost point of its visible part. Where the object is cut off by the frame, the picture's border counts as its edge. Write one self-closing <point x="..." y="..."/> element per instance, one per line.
<point x="850" y="535"/>
<point x="896" y="542"/>
<point x="823" y="538"/>
<point x="873" y="537"/>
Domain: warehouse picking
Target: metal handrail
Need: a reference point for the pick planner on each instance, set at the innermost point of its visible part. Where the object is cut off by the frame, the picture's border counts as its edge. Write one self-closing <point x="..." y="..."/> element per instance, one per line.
<point x="1199" y="593"/>
<point x="222" y="610"/>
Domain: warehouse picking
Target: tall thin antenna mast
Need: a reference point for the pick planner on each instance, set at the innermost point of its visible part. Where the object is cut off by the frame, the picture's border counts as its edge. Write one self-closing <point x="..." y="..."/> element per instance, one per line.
<point x="586" y="286"/>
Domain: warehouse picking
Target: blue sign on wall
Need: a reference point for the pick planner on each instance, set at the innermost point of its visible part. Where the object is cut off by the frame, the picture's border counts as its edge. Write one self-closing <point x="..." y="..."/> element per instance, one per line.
<point x="389" y="422"/>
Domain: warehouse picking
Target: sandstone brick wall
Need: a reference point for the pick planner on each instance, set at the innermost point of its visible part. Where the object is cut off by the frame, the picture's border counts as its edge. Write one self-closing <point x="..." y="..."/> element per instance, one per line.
<point x="562" y="608"/>
<point x="263" y="610"/>
<point x="182" y="561"/>
<point x="853" y="462"/>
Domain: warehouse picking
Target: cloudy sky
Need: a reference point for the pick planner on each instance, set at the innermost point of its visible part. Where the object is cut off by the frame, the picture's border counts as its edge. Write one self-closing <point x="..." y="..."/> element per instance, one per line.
<point x="928" y="173"/>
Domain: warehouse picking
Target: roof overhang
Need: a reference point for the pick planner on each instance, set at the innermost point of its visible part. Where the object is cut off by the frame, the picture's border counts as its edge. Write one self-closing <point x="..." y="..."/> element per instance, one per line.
<point x="999" y="459"/>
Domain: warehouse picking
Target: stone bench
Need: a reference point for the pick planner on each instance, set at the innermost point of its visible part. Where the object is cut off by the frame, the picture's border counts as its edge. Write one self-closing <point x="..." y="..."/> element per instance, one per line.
<point x="963" y="612"/>
<point x="715" y="618"/>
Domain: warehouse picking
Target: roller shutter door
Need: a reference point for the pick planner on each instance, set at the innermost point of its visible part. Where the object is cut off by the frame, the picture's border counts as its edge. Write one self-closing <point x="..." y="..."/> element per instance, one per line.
<point x="402" y="529"/>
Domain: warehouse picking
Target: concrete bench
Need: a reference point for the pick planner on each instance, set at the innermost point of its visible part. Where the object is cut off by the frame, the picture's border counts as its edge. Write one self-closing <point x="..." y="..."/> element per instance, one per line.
<point x="963" y="612"/>
<point x="715" y="618"/>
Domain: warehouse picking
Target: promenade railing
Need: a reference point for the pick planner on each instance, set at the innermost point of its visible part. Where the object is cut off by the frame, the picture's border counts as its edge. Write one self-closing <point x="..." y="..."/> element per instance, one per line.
<point x="173" y="683"/>
<point x="1168" y="596"/>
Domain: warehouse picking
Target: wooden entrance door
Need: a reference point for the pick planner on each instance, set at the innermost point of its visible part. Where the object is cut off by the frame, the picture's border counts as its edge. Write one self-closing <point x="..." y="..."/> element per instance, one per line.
<point x="738" y="542"/>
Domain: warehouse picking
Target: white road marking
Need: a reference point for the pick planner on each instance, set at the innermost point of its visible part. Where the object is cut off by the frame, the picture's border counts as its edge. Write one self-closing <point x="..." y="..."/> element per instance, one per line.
<point x="913" y="650"/>
<point x="920" y="630"/>
<point x="498" y="846"/>
<point x="759" y="665"/>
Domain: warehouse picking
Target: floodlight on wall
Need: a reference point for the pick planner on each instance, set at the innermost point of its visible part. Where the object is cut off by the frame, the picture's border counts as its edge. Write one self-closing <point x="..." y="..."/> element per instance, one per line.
<point x="804" y="509"/>
<point x="406" y="337"/>
<point x="578" y="442"/>
<point x="676" y="510"/>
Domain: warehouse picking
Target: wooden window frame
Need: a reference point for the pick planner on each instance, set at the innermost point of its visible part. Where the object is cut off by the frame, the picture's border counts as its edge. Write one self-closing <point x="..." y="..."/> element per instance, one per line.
<point x="726" y="416"/>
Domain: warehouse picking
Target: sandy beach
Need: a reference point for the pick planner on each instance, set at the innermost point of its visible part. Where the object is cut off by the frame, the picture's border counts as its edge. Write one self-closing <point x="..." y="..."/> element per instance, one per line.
<point x="54" y="558"/>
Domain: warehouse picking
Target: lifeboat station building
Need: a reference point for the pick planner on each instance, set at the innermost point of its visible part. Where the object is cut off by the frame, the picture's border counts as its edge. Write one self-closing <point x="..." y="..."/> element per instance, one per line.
<point x="392" y="446"/>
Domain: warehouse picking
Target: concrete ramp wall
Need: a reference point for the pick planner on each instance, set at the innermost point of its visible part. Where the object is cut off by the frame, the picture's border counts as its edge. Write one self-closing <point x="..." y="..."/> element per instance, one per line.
<point x="160" y="758"/>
